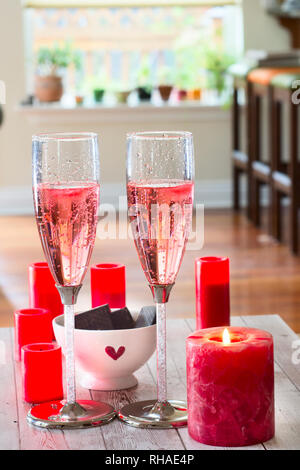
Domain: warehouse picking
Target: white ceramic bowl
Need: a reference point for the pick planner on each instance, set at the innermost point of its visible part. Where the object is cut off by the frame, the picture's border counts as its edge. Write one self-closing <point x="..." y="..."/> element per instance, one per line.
<point x="107" y="359"/>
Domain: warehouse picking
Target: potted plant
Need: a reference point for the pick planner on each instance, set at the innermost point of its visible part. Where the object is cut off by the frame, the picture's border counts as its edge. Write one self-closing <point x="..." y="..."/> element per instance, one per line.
<point x="144" y="84"/>
<point x="48" y="85"/>
<point x="121" y="91"/>
<point x="97" y="86"/>
<point x="188" y="53"/>
<point x="182" y="83"/>
<point x="165" y="85"/>
<point x="98" y="94"/>
<point x="217" y="62"/>
<point x="196" y="86"/>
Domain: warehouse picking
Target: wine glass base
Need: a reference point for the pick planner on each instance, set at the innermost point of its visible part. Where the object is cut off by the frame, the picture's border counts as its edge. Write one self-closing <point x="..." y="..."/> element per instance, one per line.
<point x="141" y="415"/>
<point x="47" y="415"/>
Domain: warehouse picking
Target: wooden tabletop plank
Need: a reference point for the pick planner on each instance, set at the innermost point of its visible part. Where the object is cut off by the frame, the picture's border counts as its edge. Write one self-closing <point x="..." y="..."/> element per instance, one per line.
<point x="39" y="439"/>
<point x="287" y="396"/>
<point x="32" y="438"/>
<point x="9" y="428"/>
<point x="118" y="436"/>
<point x="235" y="321"/>
<point x="284" y="340"/>
<point x="287" y="423"/>
<point x="84" y="439"/>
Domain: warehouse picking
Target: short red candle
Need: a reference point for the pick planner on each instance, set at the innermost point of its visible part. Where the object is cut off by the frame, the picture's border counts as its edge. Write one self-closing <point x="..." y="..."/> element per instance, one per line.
<point x="42" y="290"/>
<point x="42" y="373"/>
<point x="108" y="285"/>
<point x="230" y="387"/>
<point x="212" y="292"/>
<point x="32" y="325"/>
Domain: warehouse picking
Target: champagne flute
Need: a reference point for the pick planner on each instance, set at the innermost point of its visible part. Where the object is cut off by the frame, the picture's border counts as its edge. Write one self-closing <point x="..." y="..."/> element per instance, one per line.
<point x="66" y="199"/>
<point x="160" y="189"/>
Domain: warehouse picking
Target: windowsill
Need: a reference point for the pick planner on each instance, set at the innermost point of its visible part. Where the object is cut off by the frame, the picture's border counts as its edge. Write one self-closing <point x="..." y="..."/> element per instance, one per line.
<point x="107" y="112"/>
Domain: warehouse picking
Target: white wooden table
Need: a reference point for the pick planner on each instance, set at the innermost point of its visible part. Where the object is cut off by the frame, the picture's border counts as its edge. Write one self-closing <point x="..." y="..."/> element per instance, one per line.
<point x="16" y="434"/>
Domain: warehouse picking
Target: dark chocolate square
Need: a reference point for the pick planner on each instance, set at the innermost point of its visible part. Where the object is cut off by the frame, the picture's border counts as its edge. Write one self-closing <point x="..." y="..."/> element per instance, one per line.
<point x="122" y="319"/>
<point x="147" y="317"/>
<point x="99" y="318"/>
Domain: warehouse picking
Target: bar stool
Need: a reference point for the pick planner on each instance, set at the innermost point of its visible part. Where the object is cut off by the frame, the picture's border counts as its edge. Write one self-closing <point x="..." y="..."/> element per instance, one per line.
<point x="260" y="88"/>
<point x="240" y="160"/>
<point x="285" y="175"/>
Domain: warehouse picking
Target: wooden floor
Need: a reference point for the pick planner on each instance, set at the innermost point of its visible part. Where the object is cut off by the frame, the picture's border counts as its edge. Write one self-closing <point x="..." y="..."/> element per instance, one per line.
<point x="265" y="277"/>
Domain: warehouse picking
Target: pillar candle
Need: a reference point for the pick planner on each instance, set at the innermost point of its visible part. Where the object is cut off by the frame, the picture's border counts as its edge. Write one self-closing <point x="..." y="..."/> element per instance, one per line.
<point x="108" y="285"/>
<point x="212" y="292"/>
<point x="42" y="290"/>
<point x="42" y="372"/>
<point x="230" y="380"/>
<point x="32" y="325"/>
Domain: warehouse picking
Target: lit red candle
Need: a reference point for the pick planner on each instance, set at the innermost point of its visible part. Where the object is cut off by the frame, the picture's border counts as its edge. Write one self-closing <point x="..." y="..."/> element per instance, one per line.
<point x="108" y="285"/>
<point x="212" y="292"/>
<point x="230" y="381"/>
<point x="42" y="373"/>
<point x="42" y="290"/>
<point x="32" y="325"/>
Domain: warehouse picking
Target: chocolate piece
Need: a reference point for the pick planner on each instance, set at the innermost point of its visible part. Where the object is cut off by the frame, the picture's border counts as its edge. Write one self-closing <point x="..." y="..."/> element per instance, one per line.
<point x="147" y="317"/>
<point x="99" y="318"/>
<point x="122" y="319"/>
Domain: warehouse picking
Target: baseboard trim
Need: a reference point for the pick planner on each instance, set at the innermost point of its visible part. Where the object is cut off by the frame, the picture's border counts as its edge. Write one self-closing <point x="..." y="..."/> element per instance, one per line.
<point x="214" y="194"/>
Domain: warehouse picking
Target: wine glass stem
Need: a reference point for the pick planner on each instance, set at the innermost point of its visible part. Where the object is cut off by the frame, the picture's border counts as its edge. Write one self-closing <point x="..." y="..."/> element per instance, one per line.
<point x="69" y="353"/>
<point x="161" y="352"/>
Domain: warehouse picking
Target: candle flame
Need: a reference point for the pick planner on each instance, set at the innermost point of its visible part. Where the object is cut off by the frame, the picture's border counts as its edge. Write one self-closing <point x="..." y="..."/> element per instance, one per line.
<point x="226" y="337"/>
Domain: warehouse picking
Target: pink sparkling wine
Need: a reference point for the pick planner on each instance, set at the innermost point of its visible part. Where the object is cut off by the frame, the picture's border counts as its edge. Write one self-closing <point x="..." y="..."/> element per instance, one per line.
<point x="67" y="220"/>
<point x="160" y="213"/>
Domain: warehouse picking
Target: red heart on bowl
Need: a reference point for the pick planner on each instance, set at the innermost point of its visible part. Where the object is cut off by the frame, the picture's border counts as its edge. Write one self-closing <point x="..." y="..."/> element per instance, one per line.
<point x="111" y="352"/>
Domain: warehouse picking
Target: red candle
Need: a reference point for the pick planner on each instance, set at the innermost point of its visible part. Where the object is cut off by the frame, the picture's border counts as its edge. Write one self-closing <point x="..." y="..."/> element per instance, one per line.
<point x="108" y="285"/>
<point x="42" y="290"/>
<point x="212" y="292"/>
<point x="42" y="373"/>
<point x="230" y="380"/>
<point x="32" y="325"/>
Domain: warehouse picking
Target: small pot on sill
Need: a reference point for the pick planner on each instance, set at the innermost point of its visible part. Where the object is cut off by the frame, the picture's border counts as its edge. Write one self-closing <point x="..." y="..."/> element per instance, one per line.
<point x="122" y="96"/>
<point x="182" y="95"/>
<point x="165" y="92"/>
<point x="48" y="88"/>
<point x="98" y="94"/>
<point x="144" y="93"/>
<point x="195" y="94"/>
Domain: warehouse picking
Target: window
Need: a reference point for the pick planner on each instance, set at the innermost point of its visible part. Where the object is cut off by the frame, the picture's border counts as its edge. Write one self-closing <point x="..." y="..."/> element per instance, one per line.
<point x="117" y="44"/>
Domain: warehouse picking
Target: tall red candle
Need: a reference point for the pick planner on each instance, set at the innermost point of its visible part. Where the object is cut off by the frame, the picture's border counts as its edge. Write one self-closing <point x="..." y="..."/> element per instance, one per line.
<point x="32" y="325"/>
<point x="42" y="373"/>
<point x="42" y="290"/>
<point x="212" y="292"/>
<point x="230" y="384"/>
<point x="108" y="285"/>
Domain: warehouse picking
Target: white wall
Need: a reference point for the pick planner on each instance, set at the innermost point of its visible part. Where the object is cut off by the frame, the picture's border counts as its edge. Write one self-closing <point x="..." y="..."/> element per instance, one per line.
<point x="261" y="30"/>
<point x="211" y="130"/>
